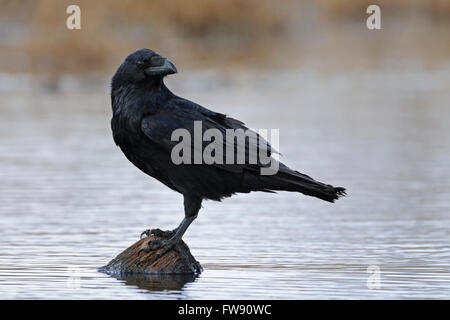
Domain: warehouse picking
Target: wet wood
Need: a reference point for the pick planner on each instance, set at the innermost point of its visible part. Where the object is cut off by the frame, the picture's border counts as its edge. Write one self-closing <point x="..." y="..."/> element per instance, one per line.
<point x="133" y="260"/>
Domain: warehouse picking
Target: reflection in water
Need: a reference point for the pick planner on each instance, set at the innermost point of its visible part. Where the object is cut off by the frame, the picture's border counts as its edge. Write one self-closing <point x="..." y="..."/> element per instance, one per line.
<point x="70" y="201"/>
<point x="157" y="282"/>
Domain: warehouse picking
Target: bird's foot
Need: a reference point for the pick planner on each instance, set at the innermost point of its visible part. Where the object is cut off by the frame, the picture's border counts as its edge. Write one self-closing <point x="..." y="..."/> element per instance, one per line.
<point x="163" y="246"/>
<point x="158" y="233"/>
<point x="147" y="232"/>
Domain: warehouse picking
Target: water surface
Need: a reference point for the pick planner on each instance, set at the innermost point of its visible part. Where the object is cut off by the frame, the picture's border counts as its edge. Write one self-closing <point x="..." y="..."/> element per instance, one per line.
<point x="70" y="201"/>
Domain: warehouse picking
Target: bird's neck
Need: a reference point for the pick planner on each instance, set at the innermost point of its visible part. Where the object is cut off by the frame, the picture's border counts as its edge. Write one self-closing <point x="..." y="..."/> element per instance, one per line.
<point x="156" y="95"/>
<point x="144" y="98"/>
<point x="157" y="87"/>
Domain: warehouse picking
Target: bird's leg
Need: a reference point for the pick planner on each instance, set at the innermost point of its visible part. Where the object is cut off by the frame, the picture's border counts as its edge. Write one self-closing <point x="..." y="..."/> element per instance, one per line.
<point x="166" y="245"/>
<point x="191" y="207"/>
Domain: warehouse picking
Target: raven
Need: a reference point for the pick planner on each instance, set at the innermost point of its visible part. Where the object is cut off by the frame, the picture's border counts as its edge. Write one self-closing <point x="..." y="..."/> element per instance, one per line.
<point x="146" y="113"/>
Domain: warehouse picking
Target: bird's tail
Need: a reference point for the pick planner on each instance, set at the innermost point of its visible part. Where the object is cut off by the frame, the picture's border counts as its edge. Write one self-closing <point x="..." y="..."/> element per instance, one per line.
<point x="290" y="180"/>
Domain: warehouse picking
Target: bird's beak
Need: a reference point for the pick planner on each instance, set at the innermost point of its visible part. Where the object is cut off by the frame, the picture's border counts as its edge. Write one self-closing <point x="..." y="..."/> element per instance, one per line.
<point x="166" y="68"/>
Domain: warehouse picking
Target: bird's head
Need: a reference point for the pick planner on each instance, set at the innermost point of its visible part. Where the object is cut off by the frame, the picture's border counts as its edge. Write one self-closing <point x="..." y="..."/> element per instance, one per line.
<point x="141" y="66"/>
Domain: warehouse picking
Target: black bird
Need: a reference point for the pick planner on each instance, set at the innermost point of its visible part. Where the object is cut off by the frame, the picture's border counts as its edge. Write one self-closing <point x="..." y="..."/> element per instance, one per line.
<point x="146" y="112"/>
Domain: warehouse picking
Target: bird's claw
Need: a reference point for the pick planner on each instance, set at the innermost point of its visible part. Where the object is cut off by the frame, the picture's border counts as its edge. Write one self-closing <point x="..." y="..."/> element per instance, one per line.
<point x="164" y="246"/>
<point x="156" y="244"/>
<point x="164" y="249"/>
<point x="152" y="245"/>
<point x="142" y="249"/>
<point x="147" y="233"/>
<point x="158" y="233"/>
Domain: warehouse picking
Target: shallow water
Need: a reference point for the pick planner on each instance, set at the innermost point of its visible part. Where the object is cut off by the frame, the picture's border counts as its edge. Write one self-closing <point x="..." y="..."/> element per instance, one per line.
<point x="70" y="201"/>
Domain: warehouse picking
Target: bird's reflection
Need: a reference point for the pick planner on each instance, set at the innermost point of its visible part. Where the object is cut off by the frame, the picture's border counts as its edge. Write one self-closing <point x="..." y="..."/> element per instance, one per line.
<point x="157" y="282"/>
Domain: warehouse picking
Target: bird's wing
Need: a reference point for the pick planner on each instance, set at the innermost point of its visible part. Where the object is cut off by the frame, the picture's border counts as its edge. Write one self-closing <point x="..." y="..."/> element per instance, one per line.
<point x="181" y="114"/>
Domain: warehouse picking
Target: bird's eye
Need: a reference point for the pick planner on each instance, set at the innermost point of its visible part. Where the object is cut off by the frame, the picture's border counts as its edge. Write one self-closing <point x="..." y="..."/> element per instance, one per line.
<point x="140" y="63"/>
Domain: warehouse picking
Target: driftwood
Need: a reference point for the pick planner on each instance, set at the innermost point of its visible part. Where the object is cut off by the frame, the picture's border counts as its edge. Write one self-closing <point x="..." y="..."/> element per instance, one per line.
<point x="135" y="261"/>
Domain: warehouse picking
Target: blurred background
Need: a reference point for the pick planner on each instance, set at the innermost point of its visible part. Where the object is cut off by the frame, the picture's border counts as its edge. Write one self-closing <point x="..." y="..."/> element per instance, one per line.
<point x="364" y="109"/>
<point x="206" y="33"/>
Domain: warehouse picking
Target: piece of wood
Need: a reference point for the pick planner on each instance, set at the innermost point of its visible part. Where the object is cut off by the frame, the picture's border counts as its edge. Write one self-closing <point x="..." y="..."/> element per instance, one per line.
<point x="133" y="260"/>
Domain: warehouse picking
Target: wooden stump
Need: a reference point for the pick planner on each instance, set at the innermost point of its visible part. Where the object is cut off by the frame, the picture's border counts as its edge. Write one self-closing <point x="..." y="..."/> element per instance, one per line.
<point x="133" y="260"/>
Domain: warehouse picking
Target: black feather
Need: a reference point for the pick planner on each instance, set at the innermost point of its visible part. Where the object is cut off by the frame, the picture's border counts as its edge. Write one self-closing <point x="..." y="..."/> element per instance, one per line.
<point x="145" y="113"/>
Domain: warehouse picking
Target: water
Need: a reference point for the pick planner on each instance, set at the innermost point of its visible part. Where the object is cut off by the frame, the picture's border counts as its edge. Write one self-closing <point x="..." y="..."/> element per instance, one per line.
<point x="70" y="201"/>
